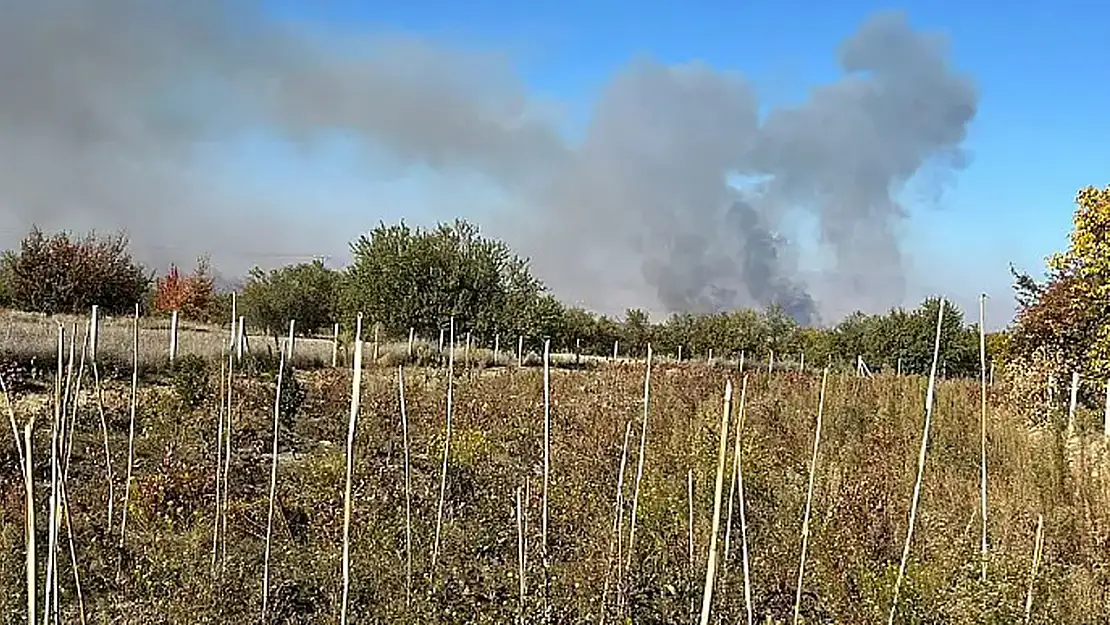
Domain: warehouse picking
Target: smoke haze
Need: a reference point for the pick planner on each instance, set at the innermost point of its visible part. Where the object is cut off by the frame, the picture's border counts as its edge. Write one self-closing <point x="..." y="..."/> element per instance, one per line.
<point x="106" y="106"/>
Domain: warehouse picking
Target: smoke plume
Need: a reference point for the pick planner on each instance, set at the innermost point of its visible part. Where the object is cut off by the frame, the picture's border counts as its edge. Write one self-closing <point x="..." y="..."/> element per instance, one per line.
<point x="108" y="108"/>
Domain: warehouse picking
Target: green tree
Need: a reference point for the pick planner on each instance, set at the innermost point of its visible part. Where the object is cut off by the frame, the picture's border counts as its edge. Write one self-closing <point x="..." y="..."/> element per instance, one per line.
<point x="305" y="292"/>
<point x="637" y="332"/>
<point x="406" y="277"/>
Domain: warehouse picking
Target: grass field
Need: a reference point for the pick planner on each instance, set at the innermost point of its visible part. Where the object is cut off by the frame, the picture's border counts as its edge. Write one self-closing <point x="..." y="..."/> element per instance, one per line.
<point x="865" y="475"/>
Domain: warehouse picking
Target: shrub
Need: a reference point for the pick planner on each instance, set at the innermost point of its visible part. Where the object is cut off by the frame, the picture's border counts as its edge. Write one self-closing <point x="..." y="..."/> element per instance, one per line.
<point x="406" y="277"/>
<point x="190" y="380"/>
<point x="305" y="292"/>
<point x="58" y="274"/>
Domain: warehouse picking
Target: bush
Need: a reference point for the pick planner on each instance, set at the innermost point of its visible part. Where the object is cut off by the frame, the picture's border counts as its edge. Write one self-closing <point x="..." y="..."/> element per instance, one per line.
<point x="305" y="292"/>
<point x="191" y="381"/>
<point x="405" y="277"/>
<point x="58" y="274"/>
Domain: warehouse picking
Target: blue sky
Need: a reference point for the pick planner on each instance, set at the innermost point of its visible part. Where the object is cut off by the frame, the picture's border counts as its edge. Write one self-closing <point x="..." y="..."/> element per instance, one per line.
<point x="1038" y="136"/>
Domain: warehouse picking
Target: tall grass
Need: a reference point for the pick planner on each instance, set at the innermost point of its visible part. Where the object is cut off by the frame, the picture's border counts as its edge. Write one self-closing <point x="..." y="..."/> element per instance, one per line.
<point x="384" y="508"/>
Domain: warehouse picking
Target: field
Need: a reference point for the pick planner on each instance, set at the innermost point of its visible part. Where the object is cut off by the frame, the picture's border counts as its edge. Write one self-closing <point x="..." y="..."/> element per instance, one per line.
<point x="165" y="571"/>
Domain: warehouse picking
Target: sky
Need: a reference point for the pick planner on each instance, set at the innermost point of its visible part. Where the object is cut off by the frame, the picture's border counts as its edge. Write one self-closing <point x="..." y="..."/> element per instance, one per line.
<point x="1034" y="140"/>
<point x="1034" y="143"/>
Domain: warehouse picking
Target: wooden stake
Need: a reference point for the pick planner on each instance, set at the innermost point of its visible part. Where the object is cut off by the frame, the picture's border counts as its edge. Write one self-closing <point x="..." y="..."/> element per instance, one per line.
<point x="920" y="466"/>
<point x="352" y="423"/>
<point x="408" y="485"/>
<point x="288" y="347"/>
<point x="722" y="455"/>
<point x="335" y="346"/>
<point x="1038" y="546"/>
<point x="983" y="437"/>
<point x="809" y="498"/>
<point x="640" y="460"/>
<point x="29" y="516"/>
<point x="131" y="428"/>
<point x="173" y="337"/>
<point x="94" y="332"/>
<point x="446" y="446"/>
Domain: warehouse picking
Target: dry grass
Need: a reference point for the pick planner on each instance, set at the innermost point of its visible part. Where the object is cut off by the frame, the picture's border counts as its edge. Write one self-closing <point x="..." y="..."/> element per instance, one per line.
<point x="26" y="337"/>
<point x="862" y="491"/>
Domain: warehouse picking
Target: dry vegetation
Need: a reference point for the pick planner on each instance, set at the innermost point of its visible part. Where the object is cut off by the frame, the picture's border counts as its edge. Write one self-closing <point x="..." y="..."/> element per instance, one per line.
<point x="864" y="477"/>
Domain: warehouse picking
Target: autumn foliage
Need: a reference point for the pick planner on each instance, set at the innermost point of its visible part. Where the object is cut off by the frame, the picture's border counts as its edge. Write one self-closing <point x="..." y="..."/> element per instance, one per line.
<point x="190" y="295"/>
<point x="62" y="274"/>
<point x="1065" y="321"/>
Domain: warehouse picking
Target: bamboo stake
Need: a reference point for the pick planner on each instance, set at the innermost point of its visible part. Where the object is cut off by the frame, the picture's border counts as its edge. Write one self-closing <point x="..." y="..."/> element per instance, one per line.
<point x="219" y="460"/>
<point x="618" y="517"/>
<point x="51" y="556"/>
<point x="131" y="428"/>
<point x="446" y="446"/>
<point x="920" y="466"/>
<point x="335" y="346"/>
<point x="226" y="489"/>
<point x="240" y="338"/>
<point x="109" y="474"/>
<point x="640" y="460"/>
<point x="809" y="498"/>
<point x="173" y="337"/>
<point x="234" y="320"/>
<point x="690" y="518"/>
<point x="15" y="429"/>
<point x="76" y="399"/>
<point x="288" y="347"/>
<point x="690" y="531"/>
<point x="520" y="351"/>
<point x="94" y="330"/>
<point x="1038" y="546"/>
<point x="983" y="436"/>
<point x="722" y="456"/>
<point x="356" y="395"/>
<point x="546" y="473"/>
<point x="520" y="549"/>
<point x="408" y="486"/>
<point x="73" y="553"/>
<point x="412" y="341"/>
<point x="743" y="515"/>
<point x="29" y="516"/>
<point x="737" y="484"/>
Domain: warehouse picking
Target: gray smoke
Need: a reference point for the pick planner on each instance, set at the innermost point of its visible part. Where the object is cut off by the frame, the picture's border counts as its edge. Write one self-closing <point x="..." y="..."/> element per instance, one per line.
<point x="107" y="109"/>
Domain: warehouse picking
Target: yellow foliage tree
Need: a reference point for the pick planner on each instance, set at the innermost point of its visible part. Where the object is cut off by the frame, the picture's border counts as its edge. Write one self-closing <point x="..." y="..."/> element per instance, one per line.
<point x="1068" y="320"/>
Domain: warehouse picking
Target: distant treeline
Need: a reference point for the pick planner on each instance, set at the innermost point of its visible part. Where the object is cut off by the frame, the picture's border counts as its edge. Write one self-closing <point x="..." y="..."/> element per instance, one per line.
<point x="404" y="278"/>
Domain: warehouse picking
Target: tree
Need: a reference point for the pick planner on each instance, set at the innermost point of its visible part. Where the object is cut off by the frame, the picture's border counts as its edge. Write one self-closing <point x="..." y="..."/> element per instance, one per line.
<point x="191" y="295"/>
<point x="8" y="260"/>
<point x="406" y="277"/>
<point x="1066" y="320"/>
<point x="58" y="274"/>
<point x="305" y="292"/>
<point x="638" y="332"/>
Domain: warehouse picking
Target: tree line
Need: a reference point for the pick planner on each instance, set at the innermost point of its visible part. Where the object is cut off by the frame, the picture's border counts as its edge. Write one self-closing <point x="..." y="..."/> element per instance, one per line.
<point x="404" y="278"/>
